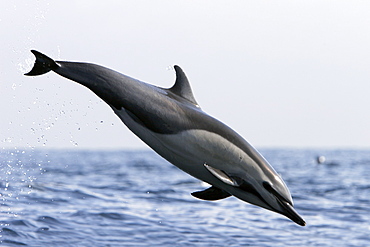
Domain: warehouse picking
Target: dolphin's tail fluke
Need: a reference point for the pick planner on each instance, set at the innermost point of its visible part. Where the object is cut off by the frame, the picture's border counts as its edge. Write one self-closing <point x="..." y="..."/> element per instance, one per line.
<point x="43" y="64"/>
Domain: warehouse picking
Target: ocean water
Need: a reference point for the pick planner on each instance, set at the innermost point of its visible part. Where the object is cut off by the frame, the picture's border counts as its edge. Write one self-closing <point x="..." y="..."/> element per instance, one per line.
<point x="135" y="198"/>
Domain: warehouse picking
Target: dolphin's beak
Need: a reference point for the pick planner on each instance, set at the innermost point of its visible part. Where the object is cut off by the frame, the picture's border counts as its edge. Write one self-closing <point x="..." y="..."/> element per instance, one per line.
<point x="291" y="213"/>
<point x="286" y="206"/>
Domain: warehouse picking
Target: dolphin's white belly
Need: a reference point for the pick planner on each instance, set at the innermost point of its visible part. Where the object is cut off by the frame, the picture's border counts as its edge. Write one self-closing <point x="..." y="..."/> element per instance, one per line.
<point x="191" y="149"/>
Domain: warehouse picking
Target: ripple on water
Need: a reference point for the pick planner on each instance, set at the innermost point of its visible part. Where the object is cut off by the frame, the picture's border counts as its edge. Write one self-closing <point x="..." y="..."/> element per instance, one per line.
<point x="137" y="199"/>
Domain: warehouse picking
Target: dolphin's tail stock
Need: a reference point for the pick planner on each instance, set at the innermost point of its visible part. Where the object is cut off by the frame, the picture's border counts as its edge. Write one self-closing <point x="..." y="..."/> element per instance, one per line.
<point x="43" y="64"/>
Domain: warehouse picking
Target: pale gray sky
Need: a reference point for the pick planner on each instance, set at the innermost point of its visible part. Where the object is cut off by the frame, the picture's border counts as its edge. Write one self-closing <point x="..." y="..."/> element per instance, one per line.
<point x="281" y="73"/>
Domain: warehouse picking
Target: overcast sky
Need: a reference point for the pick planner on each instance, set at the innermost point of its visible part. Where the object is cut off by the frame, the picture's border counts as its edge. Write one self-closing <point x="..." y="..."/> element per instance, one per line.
<point x="281" y="73"/>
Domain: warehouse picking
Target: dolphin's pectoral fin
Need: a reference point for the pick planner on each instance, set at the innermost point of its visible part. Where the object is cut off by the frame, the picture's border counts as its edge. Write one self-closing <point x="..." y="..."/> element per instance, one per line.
<point x="211" y="194"/>
<point x="230" y="180"/>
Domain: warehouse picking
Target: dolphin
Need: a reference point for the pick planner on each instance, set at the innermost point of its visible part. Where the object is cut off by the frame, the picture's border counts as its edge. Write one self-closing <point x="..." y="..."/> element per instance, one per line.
<point x="172" y="123"/>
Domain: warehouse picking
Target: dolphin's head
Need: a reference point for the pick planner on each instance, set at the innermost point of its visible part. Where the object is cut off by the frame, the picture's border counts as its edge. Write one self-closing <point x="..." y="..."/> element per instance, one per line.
<point x="267" y="190"/>
<point x="244" y="173"/>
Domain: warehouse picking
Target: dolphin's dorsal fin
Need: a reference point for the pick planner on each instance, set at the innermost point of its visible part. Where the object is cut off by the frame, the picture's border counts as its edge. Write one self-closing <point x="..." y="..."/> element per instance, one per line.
<point x="211" y="194"/>
<point x="182" y="86"/>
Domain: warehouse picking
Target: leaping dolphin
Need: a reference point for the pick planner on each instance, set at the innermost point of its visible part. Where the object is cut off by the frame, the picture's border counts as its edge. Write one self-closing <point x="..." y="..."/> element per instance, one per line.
<point x="171" y="122"/>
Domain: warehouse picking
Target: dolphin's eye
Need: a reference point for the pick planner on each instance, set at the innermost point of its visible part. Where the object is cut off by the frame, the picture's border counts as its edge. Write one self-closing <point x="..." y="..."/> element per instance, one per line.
<point x="267" y="186"/>
<point x="271" y="189"/>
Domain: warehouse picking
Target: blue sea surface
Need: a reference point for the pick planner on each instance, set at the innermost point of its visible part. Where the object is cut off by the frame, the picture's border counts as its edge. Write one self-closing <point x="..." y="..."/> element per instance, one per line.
<point x="136" y="198"/>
